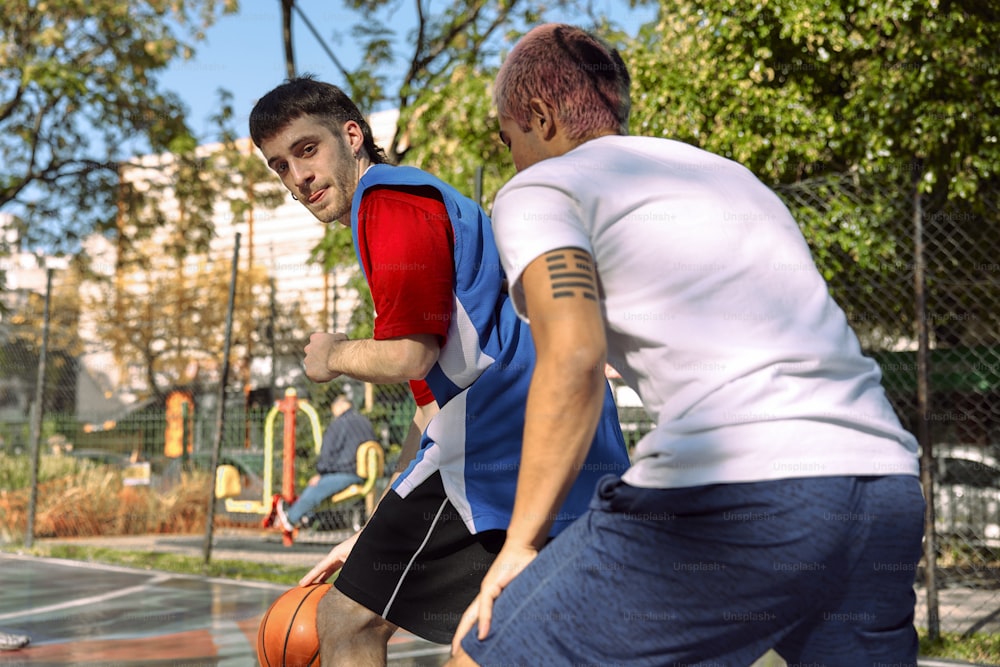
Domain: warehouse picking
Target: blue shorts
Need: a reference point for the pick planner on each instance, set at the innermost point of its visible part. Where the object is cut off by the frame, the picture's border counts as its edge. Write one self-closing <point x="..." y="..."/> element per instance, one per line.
<point x="819" y="569"/>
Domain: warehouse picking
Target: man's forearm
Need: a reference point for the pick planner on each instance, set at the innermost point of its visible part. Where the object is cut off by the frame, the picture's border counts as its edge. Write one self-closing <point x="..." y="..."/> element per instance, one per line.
<point x="562" y="413"/>
<point x="567" y="389"/>
<point x="384" y="361"/>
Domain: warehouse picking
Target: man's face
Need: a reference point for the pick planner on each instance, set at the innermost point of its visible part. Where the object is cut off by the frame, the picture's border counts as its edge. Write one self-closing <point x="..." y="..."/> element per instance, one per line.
<point x="316" y="165"/>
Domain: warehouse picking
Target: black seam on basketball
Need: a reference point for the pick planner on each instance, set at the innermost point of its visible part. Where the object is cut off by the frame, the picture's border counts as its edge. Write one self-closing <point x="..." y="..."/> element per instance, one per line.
<point x="291" y="621"/>
<point x="262" y="641"/>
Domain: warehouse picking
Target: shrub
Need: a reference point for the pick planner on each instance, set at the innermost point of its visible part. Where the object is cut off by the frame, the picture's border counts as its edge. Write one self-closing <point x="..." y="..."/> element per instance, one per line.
<point x="84" y="500"/>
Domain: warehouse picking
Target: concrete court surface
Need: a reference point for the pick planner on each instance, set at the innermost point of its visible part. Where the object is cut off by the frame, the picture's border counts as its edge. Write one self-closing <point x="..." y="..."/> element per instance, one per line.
<point x="89" y="614"/>
<point x="121" y="616"/>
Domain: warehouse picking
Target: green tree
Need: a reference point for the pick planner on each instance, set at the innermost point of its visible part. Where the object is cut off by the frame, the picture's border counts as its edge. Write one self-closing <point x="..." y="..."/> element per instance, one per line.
<point x="800" y="88"/>
<point x="78" y="88"/>
<point x="21" y="344"/>
<point x="171" y="326"/>
<point x="865" y="102"/>
<point x="442" y="39"/>
<point x="163" y="296"/>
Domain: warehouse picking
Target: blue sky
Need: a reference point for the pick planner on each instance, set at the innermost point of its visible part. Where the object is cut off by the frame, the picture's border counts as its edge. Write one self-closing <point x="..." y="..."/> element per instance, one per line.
<point x="243" y="53"/>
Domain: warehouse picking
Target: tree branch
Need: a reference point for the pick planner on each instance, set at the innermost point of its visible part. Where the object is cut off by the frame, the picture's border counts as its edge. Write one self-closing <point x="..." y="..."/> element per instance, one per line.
<point x="8" y="109"/>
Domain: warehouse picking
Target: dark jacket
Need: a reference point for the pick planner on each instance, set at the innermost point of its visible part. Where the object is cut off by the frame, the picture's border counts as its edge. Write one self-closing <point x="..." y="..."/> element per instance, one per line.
<point x="341" y="440"/>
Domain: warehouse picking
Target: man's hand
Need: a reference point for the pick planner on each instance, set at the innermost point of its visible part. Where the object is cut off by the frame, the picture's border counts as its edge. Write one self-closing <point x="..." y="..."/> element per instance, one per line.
<point x="318" y="356"/>
<point x="508" y="564"/>
<point x="333" y="562"/>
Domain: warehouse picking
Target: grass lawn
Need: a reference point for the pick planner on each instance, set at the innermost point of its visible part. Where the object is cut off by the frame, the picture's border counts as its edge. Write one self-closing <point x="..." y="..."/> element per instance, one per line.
<point x="228" y="569"/>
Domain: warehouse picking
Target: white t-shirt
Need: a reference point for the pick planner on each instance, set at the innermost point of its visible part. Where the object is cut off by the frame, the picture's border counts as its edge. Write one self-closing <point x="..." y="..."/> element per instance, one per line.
<point x="715" y="314"/>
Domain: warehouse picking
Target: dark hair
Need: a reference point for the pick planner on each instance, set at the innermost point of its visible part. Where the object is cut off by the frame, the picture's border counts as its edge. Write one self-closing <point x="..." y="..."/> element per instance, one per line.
<point x="305" y="95"/>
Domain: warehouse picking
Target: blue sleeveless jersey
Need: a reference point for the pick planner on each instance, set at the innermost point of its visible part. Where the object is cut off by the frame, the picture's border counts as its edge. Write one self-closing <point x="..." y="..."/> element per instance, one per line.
<point x="481" y="379"/>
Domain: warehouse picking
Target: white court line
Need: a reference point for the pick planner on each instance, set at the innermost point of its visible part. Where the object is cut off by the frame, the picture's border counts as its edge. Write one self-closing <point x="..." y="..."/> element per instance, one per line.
<point x="155" y="579"/>
<point x="158" y="579"/>
<point x="134" y="570"/>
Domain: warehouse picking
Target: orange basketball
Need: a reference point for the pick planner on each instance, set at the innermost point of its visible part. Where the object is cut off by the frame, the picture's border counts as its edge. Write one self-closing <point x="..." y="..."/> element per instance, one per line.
<point x="287" y="635"/>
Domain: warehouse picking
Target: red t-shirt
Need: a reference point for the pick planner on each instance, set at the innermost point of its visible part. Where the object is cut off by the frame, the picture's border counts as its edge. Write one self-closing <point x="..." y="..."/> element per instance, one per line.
<point x="406" y="246"/>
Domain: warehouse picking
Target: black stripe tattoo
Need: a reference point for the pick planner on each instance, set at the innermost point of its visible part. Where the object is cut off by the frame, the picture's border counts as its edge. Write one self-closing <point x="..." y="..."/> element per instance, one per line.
<point x="566" y="282"/>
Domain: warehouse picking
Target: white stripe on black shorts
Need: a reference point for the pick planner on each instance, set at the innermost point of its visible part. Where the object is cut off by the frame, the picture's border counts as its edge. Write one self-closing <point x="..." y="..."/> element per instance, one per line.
<point x="416" y="564"/>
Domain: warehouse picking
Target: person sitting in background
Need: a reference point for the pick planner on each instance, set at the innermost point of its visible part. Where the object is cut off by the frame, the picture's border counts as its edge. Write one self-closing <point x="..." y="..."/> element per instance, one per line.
<point x="336" y="468"/>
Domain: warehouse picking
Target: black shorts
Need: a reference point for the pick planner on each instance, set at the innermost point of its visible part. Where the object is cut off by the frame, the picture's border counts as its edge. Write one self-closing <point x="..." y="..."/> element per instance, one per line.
<point x="416" y="564"/>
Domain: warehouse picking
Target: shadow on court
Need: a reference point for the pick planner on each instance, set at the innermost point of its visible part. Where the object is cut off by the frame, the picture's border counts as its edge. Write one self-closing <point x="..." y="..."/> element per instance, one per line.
<point x="89" y="614"/>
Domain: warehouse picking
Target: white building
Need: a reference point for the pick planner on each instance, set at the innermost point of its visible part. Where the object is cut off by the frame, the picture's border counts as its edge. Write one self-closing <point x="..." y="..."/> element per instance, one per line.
<point x="23" y="274"/>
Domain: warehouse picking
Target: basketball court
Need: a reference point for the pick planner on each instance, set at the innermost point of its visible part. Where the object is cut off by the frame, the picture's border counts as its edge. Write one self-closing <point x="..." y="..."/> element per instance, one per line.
<point x="81" y="613"/>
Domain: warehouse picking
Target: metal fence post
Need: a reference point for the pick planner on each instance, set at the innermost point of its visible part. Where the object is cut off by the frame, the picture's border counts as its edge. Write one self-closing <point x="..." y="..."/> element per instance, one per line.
<point x="37" y="413"/>
<point x="923" y="413"/>
<point x="221" y="407"/>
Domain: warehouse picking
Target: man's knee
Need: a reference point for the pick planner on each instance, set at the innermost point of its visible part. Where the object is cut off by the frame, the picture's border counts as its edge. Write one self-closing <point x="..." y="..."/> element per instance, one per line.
<point x="338" y="617"/>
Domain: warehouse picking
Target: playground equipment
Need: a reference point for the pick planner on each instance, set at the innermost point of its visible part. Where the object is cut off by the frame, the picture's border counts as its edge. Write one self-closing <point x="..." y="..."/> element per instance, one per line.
<point x="371" y="463"/>
<point x="227" y="477"/>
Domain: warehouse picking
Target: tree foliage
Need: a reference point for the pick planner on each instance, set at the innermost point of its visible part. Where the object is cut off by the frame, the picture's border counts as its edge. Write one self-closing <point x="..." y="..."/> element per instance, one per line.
<point x="800" y="88"/>
<point x="171" y="326"/>
<point x="21" y="345"/>
<point x="455" y="36"/>
<point x="78" y="89"/>
<point x="164" y="305"/>
<point x="861" y="103"/>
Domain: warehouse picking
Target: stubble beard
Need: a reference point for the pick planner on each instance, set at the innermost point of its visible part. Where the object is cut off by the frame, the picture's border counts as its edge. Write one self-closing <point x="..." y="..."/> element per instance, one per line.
<point x="340" y="192"/>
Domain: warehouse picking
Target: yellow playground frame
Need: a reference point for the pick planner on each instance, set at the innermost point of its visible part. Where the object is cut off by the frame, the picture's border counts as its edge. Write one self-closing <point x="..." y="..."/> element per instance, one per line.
<point x="288" y="407"/>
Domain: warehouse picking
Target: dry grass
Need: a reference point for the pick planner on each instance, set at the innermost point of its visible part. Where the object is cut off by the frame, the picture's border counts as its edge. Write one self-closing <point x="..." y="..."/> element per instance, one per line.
<point x="93" y="501"/>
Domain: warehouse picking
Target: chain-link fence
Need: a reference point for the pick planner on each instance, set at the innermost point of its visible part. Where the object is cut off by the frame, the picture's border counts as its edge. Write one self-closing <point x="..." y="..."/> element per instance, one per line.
<point x="918" y="278"/>
<point x="145" y="483"/>
<point x="130" y="394"/>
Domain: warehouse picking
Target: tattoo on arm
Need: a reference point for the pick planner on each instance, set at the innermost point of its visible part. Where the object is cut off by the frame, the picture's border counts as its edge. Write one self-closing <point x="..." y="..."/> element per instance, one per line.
<point x="571" y="273"/>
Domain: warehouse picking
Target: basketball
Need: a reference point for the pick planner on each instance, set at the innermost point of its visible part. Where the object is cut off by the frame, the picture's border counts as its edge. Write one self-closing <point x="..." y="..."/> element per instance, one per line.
<point x="287" y="635"/>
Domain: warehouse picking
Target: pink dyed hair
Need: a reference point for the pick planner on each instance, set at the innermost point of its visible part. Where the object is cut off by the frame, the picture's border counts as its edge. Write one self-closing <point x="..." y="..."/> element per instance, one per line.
<point x="582" y="78"/>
